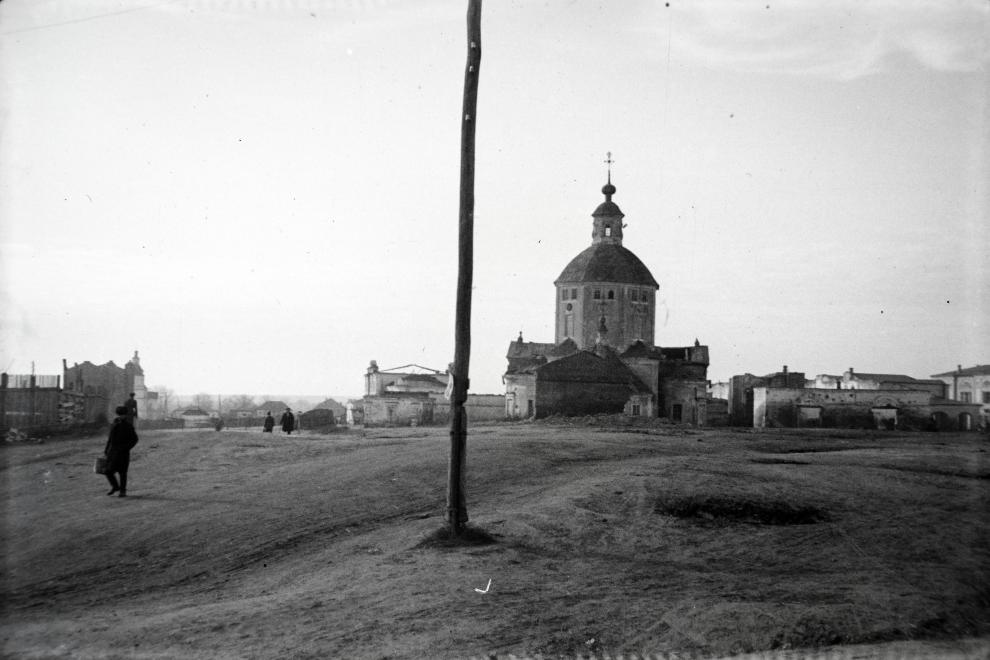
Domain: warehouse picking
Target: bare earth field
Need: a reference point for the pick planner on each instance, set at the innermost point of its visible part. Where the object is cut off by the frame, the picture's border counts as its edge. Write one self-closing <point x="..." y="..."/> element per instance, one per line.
<point x="607" y="541"/>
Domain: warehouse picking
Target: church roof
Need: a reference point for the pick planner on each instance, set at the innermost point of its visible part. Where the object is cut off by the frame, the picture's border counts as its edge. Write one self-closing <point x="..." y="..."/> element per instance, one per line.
<point x="978" y="370"/>
<point x="564" y="348"/>
<point x="638" y="349"/>
<point x="527" y="349"/>
<point x="607" y="262"/>
<point x="608" y="208"/>
<point x="587" y="367"/>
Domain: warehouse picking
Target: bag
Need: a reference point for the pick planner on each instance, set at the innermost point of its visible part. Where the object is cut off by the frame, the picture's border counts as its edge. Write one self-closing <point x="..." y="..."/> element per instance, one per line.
<point x="100" y="467"/>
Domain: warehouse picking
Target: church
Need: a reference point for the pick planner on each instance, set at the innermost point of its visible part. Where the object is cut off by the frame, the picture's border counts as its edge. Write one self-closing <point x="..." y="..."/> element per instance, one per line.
<point x="604" y="358"/>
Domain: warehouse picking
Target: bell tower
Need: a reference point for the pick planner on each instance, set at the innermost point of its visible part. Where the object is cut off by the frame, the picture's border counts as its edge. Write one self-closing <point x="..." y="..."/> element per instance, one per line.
<point x="606" y="281"/>
<point x="607" y="218"/>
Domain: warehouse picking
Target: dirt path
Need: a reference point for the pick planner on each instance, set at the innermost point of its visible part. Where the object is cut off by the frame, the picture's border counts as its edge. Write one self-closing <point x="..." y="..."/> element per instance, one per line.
<point x="247" y="545"/>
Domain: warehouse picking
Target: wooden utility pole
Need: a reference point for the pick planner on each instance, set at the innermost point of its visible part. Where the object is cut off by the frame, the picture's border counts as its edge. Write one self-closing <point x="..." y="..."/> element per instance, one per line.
<point x="457" y="515"/>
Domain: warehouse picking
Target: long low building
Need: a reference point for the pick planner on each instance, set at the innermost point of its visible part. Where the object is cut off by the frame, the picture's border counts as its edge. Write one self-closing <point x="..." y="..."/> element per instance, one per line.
<point x="879" y="409"/>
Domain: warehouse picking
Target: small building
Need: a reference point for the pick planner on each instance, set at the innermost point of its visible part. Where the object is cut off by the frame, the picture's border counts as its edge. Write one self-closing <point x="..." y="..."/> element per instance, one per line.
<point x="317" y="418"/>
<point x="276" y="408"/>
<point x="195" y="417"/>
<point x="338" y="409"/>
<point x="969" y="385"/>
<point x="741" y="390"/>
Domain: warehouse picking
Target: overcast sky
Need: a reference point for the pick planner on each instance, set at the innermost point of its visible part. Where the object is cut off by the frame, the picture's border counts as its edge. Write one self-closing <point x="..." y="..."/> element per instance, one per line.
<point x="262" y="196"/>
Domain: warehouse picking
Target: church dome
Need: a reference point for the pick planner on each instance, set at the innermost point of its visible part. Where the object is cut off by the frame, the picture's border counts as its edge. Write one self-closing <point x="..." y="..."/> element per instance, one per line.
<point x="607" y="262"/>
<point x="608" y="208"/>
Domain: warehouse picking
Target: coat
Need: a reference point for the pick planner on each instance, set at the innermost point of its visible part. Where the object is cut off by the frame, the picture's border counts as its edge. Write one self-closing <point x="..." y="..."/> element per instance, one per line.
<point x="288" y="422"/>
<point x="121" y="441"/>
<point x="269" y="423"/>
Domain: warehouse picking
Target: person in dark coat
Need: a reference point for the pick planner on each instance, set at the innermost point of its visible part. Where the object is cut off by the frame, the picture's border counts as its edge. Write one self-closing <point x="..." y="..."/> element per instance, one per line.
<point x="122" y="439"/>
<point x="269" y="422"/>
<point x="288" y="421"/>
<point x="131" y="405"/>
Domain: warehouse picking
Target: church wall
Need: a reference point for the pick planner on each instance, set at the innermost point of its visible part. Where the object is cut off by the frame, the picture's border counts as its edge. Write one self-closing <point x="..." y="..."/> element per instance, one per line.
<point x="520" y="389"/>
<point x="647" y="369"/>
<point x="577" y="312"/>
<point x="572" y="398"/>
<point x="626" y="320"/>
<point x="691" y="394"/>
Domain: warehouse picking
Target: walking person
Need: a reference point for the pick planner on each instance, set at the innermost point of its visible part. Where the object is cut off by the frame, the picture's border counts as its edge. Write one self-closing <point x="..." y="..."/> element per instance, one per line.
<point x="122" y="439"/>
<point x="132" y="414"/>
<point x="288" y="421"/>
<point x="269" y="422"/>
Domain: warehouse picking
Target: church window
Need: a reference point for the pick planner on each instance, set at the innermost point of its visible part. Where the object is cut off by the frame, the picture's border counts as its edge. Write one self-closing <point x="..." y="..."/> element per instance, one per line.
<point x="608" y="230"/>
<point x="611" y="295"/>
<point x="597" y="295"/>
<point x="634" y="295"/>
<point x="573" y="294"/>
<point x="563" y="294"/>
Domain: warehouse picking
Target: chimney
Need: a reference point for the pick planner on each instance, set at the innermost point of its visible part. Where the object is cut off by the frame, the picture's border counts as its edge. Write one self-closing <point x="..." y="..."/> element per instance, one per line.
<point x="958" y="367"/>
<point x="785" y="369"/>
<point x="850" y="372"/>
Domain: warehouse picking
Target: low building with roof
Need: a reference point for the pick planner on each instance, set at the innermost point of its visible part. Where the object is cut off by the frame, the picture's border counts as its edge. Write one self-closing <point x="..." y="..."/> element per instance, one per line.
<point x="275" y="407"/>
<point x="969" y="385"/>
<point x="858" y="380"/>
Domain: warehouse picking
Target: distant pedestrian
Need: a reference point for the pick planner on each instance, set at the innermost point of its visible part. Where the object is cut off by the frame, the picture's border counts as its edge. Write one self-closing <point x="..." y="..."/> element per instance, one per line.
<point x="122" y="439"/>
<point x="269" y="422"/>
<point x="288" y="421"/>
<point x="131" y="405"/>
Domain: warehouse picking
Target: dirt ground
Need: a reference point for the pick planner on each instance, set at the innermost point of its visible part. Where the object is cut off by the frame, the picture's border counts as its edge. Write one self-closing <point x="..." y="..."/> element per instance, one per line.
<point x="607" y="541"/>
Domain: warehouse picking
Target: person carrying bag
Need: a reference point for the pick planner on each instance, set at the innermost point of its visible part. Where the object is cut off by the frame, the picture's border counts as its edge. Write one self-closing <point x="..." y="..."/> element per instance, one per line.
<point x="122" y="439"/>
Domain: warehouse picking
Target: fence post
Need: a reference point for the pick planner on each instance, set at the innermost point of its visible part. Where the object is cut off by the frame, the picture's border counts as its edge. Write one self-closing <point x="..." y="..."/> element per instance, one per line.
<point x="3" y="400"/>
<point x="32" y="397"/>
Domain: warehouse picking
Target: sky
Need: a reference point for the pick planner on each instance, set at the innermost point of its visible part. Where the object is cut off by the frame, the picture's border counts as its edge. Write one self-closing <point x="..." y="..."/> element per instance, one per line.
<point x="262" y="196"/>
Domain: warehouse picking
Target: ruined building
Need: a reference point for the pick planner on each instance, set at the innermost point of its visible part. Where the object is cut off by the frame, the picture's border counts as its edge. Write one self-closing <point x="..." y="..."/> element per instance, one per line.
<point x="603" y="358"/>
<point x="101" y="388"/>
